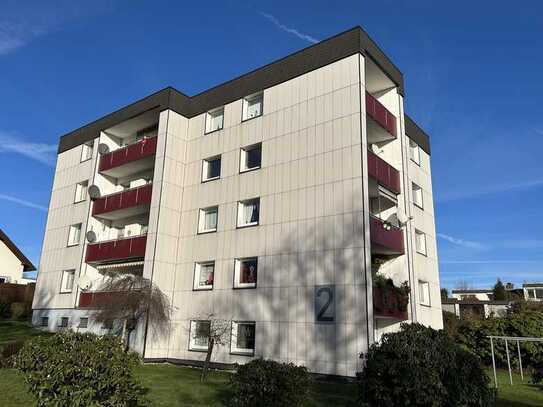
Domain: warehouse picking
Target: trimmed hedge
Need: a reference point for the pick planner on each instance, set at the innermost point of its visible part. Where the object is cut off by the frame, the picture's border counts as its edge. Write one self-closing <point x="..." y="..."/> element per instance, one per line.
<point x="262" y="383"/>
<point x="420" y="366"/>
<point x="74" y="369"/>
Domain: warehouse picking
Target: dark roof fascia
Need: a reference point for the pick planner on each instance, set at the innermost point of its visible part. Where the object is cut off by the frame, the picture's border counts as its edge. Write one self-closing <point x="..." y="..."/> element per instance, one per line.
<point x="473" y="291"/>
<point x="415" y="133"/>
<point x="340" y="46"/>
<point x="27" y="264"/>
<point x="532" y="285"/>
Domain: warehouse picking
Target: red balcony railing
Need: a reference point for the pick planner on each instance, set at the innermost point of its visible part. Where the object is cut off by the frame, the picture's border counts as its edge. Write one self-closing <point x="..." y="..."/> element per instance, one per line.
<point x="380" y="114"/>
<point x="388" y="304"/>
<point x="123" y="200"/>
<point x="116" y="250"/>
<point x="93" y="298"/>
<point x="384" y="173"/>
<point x="133" y="152"/>
<point x="389" y="238"/>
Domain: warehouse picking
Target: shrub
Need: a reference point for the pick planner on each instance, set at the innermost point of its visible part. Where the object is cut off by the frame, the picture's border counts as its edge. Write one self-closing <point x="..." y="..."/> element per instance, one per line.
<point x="537" y="371"/>
<point x="473" y="335"/>
<point x="20" y="310"/>
<point x="7" y="353"/>
<point x="269" y="383"/>
<point x="80" y="370"/>
<point x="420" y="366"/>
<point x="4" y="309"/>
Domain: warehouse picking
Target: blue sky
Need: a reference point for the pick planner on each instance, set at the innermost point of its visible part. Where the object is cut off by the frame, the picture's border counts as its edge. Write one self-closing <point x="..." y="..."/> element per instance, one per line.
<point x="473" y="81"/>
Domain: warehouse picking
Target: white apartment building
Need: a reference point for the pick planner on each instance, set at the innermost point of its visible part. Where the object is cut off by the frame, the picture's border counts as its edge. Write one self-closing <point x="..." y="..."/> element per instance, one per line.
<point x="274" y="201"/>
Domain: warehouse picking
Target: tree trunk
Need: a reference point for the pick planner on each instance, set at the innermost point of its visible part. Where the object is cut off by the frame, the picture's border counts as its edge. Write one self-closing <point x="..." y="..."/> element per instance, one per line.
<point x="208" y="359"/>
<point x="127" y="343"/>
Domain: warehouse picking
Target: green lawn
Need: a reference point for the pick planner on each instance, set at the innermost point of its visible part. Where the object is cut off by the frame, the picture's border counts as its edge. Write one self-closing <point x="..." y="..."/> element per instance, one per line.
<point x="180" y="386"/>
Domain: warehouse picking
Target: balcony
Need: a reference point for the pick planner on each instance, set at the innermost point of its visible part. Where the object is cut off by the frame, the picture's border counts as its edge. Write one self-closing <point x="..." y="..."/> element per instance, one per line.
<point x="382" y="127"/>
<point x="90" y="299"/>
<point x="390" y="302"/>
<point x="385" y="238"/>
<point x="132" y="202"/>
<point x="384" y="173"/>
<point x="133" y="158"/>
<point x="113" y="251"/>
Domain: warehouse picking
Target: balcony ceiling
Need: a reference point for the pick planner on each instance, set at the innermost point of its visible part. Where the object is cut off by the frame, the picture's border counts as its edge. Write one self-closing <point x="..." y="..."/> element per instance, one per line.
<point x="130" y="127"/>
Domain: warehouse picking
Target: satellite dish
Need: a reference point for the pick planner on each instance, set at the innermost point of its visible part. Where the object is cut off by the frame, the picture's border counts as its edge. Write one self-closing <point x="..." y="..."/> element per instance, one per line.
<point x="402" y="219"/>
<point x="103" y="148"/>
<point x="91" y="236"/>
<point x="94" y="192"/>
<point x="84" y="282"/>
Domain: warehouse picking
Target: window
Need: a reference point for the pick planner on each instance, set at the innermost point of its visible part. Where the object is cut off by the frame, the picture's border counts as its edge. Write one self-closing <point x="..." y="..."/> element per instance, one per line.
<point x="208" y="219"/>
<point x="81" y="191"/>
<point x="83" y="322"/>
<point x="4" y="280"/>
<point x="243" y="338"/>
<point x="245" y="272"/>
<point x="417" y="195"/>
<point x="74" y="234"/>
<point x="414" y="152"/>
<point x="252" y="106"/>
<point x="199" y="335"/>
<point x="67" y="282"/>
<point x="424" y="293"/>
<point x="211" y="168"/>
<point x="214" y="120"/>
<point x="203" y="275"/>
<point x="250" y="158"/>
<point x="44" y="322"/>
<point x="420" y="241"/>
<point x="86" y="150"/>
<point x="108" y="324"/>
<point x="248" y="212"/>
<point x="63" y="323"/>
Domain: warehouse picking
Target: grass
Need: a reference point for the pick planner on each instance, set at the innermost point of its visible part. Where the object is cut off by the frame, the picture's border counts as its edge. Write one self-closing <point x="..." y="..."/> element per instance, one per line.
<point x="180" y="386"/>
<point x="17" y="330"/>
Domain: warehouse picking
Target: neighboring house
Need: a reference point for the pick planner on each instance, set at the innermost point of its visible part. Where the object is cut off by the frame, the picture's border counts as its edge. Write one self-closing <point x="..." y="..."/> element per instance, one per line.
<point x="473" y="307"/>
<point x="270" y="200"/>
<point x="13" y="263"/>
<point x="482" y="294"/>
<point x="533" y="291"/>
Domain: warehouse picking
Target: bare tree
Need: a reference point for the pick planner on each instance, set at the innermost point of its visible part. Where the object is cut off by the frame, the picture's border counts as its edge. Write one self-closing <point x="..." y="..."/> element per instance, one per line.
<point x="210" y="331"/>
<point x="131" y="298"/>
<point x="463" y="285"/>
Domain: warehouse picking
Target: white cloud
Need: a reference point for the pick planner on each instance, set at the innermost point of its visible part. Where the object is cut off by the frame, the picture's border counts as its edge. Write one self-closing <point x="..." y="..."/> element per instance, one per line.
<point x="289" y="30"/>
<point x="41" y="152"/>
<point x="496" y="189"/>
<point x="22" y="202"/>
<point x="462" y="242"/>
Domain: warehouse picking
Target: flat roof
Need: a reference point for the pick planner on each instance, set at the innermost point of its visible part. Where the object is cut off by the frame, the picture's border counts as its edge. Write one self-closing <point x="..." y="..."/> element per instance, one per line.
<point x="330" y="50"/>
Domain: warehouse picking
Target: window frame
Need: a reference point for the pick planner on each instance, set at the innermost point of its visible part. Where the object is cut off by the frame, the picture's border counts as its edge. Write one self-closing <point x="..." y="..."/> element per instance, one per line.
<point x="90" y="146"/>
<point x="77" y="199"/>
<point x="417" y="234"/>
<point x="242" y="158"/>
<point x="70" y="244"/>
<point x="245" y="106"/>
<point x="64" y="290"/>
<point x="234" y="350"/>
<point x="414" y="188"/>
<point x="240" y="213"/>
<point x="237" y="285"/>
<point x="42" y="320"/>
<point x="80" y="326"/>
<point x="205" y="163"/>
<point x="61" y="322"/>
<point x="192" y="346"/>
<point x="416" y="158"/>
<point x="424" y="288"/>
<point x="209" y="114"/>
<point x="201" y="220"/>
<point x="196" y="279"/>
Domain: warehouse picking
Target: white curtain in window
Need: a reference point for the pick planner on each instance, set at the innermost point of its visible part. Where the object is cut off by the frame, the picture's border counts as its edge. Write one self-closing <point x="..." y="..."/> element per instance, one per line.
<point x="250" y="212"/>
<point x="210" y="220"/>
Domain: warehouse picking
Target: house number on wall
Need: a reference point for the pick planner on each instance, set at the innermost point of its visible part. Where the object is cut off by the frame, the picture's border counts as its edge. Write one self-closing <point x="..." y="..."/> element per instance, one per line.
<point x="325" y="303"/>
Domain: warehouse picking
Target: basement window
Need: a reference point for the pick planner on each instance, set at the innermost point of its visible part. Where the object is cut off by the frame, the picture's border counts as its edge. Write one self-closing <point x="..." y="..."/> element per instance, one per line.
<point x="243" y="338"/>
<point x="199" y="335"/>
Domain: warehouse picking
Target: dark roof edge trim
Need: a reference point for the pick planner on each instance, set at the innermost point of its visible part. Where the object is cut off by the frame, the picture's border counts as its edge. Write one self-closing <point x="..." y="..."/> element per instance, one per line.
<point x="415" y="133"/>
<point x="27" y="264"/>
<point x="301" y="62"/>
